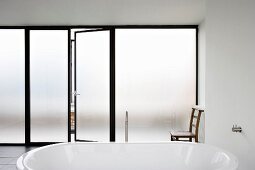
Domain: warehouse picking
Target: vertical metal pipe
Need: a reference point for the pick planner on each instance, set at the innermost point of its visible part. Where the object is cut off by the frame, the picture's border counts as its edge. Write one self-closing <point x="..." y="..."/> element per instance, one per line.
<point x="126" y="127"/>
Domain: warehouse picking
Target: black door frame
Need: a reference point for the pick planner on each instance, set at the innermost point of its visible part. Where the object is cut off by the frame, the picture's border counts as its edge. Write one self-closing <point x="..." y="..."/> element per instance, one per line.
<point x="28" y="90"/>
<point x="112" y="29"/>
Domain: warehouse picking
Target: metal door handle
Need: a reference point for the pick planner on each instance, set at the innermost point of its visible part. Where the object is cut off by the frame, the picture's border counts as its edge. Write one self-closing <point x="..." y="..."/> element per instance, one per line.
<point x="76" y="94"/>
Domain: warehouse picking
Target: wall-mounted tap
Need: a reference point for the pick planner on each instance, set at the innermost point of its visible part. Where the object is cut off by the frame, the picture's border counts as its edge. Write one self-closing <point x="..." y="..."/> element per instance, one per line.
<point x="236" y="128"/>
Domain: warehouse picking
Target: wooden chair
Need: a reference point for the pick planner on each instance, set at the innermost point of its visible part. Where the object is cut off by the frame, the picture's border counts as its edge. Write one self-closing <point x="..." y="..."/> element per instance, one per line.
<point x="194" y="125"/>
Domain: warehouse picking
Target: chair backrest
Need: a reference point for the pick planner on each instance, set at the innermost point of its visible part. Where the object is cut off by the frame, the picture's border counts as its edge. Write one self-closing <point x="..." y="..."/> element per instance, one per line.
<point x="195" y="121"/>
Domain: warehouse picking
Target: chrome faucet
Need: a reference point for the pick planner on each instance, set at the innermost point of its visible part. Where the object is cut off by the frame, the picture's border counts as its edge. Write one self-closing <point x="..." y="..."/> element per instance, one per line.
<point x="126" y="127"/>
<point x="236" y="128"/>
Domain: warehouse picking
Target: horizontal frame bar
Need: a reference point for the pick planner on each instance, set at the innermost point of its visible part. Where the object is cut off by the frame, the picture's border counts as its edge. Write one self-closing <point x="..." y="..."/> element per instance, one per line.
<point x="30" y="144"/>
<point x="92" y="30"/>
<point x="59" y="27"/>
<point x="12" y="144"/>
<point x="79" y="140"/>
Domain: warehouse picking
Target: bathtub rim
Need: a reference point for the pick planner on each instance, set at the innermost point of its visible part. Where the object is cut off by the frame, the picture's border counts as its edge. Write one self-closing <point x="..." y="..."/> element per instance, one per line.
<point x="20" y="162"/>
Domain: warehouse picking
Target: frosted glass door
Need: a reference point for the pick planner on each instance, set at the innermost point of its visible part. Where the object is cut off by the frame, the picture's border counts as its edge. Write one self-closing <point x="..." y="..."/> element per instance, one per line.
<point x="12" y="87"/>
<point x="49" y="85"/>
<point x="92" y="85"/>
<point x="155" y="82"/>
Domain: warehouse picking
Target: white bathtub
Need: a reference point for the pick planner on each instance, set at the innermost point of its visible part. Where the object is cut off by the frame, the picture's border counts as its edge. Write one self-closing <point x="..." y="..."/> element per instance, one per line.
<point x="128" y="156"/>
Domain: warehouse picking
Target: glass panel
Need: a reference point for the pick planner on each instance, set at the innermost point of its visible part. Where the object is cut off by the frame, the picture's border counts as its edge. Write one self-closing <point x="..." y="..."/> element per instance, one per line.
<point x="49" y="85"/>
<point x="155" y="82"/>
<point x="12" y="90"/>
<point x="92" y="66"/>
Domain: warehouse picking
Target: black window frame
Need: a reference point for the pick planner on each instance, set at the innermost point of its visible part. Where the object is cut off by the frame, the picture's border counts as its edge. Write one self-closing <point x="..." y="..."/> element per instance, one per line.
<point x="112" y="29"/>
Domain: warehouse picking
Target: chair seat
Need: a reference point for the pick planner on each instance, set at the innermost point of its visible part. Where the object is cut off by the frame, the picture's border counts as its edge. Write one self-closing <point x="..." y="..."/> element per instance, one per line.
<point x="182" y="134"/>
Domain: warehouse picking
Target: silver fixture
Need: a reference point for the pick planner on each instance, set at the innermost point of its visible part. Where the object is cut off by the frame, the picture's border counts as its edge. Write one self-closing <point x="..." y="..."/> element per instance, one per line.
<point x="236" y="128"/>
<point x="126" y="127"/>
<point x="75" y="93"/>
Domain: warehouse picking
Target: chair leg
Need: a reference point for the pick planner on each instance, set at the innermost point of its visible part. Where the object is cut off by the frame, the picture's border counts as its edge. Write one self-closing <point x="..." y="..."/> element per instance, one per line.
<point x="196" y="139"/>
<point x="190" y="139"/>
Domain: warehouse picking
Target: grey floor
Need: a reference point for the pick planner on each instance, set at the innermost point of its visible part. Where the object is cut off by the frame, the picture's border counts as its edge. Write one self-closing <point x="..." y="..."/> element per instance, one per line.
<point x="10" y="154"/>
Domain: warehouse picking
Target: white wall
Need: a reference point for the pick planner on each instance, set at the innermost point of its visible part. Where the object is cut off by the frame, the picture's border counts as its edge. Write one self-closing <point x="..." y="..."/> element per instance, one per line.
<point x="101" y="12"/>
<point x="201" y="77"/>
<point x="201" y="63"/>
<point x="230" y="77"/>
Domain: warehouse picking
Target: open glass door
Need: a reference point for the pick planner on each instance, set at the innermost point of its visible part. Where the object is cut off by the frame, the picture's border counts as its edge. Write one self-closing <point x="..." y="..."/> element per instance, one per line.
<point x="91" y="87"/>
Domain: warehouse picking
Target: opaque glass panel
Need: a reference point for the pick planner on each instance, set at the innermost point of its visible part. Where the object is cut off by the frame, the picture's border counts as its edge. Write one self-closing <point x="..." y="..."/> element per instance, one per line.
<point x="155" y="82"/>
<point x="49" y="85"/>
<point x="92" y="55"/>
<point x="12" y="87"/>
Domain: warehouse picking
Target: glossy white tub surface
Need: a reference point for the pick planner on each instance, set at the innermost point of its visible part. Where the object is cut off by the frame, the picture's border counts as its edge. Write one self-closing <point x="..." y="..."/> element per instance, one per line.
<point x="128" y="156"/>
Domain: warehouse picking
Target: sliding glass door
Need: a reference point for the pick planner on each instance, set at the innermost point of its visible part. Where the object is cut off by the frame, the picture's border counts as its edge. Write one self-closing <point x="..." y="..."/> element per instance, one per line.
<point x="92" y="50"/>
<point x="49" y="85"/>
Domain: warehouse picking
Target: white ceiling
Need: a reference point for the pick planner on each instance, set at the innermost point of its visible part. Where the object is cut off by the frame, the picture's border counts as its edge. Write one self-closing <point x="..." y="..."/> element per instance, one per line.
<point x="101" y="12"/>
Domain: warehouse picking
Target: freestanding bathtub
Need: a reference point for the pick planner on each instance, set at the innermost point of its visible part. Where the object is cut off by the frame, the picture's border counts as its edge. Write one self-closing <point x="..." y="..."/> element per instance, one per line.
<point x="128" y="156"/>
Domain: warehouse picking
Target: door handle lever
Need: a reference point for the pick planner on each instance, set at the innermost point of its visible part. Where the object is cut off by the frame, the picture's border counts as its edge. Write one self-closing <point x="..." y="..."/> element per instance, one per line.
<point x="76" y="94"/>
